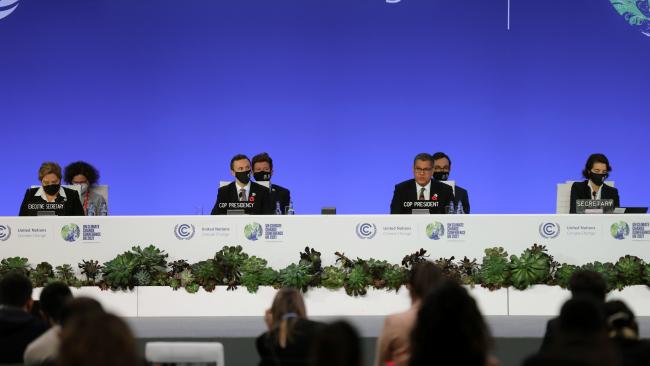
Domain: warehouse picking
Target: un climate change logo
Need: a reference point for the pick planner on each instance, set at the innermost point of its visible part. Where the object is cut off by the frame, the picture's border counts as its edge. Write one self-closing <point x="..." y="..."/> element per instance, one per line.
<point x="7" y="7"/>
<point x="70" y="232"/>
<point x="549" y="230"/>
<point x="635" y="12"/>
<point x="366" y="230"/>
<point x="184" y="231"/>
<point x="253" y="231"/>
<point x="435" y="230"/>
<point x="619" y="230"/>
<point x="5" y="232"/>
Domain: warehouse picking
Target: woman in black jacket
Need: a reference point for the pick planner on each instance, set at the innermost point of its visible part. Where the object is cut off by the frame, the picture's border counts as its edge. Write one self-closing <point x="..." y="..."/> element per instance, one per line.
<point x="50" y="198"/>
<point x="596" y="171"/>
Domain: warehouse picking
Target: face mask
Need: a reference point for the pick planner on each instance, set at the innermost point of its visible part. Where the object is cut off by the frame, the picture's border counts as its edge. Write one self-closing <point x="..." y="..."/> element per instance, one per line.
<point x="441" y="175"/>
<point x="52" y="189"/>
<point x="598" y="179"/>
<point x="83" y="188"/>
<point x="262" y="176"/>
<point x="243" y="177"/>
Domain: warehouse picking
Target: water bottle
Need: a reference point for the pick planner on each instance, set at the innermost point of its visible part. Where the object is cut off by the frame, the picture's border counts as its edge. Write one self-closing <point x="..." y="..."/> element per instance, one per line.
<point x="290" y="210"/>
<point x="460" y="209"/>
<point x="278" y="210"/>
<point x="451" y="208"/>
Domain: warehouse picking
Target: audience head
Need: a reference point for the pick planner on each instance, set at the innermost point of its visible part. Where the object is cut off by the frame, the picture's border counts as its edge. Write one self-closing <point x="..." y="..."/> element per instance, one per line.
<point x="98" y="339"/>
<point x="79" y="307"/>
<point x="53" y="298"/>
<point x="422" y="278"/>
<point x="582" y="315"/>
<point x="588" y="283"/>
<point x="288" y="306"/>
<point x="16" y="291"/>
<point x="621" y="323"/>
<point x="450" y="329"/>
<point x="337" y="344"/>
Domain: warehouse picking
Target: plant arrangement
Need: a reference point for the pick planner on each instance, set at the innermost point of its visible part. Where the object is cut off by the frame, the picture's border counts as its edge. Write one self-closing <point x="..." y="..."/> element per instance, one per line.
<point x="231" y="267"/>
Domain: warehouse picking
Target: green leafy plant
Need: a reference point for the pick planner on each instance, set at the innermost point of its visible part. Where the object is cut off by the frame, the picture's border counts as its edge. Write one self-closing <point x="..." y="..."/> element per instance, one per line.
<point x="333" y="277"/>
<point x="65" y="273"/>
<point x="410" y="260"/>
<point x="449" y="269"/>
<point x="15" y="264"/>
<point x="563" y="274"/>
<point x="91" y="269"/>
<point x="495" y="269"/>
<point x="646" y="274"/>
<point x="395" y="277"/>
<point x="42" y="274"/>
<point x="629" y="271"/>
<point x="606" y="270"/>
<point x="207" y="274"/>
<point x="468" y="269"/>
<point x="533" y="266"/>
<point x="229" y="260"/>
<point x="256" y="273"/>
<point x="151" y="266"/>
<point x="311" y="259"/>
<point x="295" y="276"/>
<point x="118" y="273"/>
<point x="357" y="281"/>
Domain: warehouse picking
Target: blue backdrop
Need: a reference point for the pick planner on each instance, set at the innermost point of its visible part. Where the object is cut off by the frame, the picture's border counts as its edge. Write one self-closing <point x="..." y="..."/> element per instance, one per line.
<point x="342" y="93"/>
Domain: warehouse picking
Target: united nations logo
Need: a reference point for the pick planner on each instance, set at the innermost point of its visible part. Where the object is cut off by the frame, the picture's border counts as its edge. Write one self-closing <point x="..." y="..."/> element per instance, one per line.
<point x="70" y="232"/>
<point x="7" y="7"/>
<point x="5" y="232"/>
<point x="184" y="231"/>
<point x="635" y="12"/>
<point x="366" y="230"/>
<point x="549" y="230"/>
<point x="620" y="230"/>
<point x="435" y="230"/>
<point x="253" y="231"/>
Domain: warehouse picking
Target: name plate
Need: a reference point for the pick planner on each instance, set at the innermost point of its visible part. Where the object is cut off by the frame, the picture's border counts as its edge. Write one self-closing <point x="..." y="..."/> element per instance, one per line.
<point x="421" y="204"/>
<point x="594" y="206"/>
<point x="236" y="205"/>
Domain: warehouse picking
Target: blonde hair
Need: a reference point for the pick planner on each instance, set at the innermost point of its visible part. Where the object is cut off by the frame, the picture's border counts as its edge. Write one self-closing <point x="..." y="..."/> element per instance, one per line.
<point x="49" y="167"/>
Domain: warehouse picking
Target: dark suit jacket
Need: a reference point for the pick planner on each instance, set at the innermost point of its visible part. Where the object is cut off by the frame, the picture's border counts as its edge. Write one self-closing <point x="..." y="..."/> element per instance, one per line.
<point x="258" y="196"/>
<point x="296" y="353"/>
<point x="580" y="190"/>
<point x="17" y="329"/>
<point x="407" y="192"/>
<point x="461" y="196"/>
<point x="280" y="194"/>
<point x="71" y="204"/>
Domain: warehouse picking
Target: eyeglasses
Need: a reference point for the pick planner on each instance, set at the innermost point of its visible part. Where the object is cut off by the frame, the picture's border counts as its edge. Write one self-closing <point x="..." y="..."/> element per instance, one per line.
<point x="423" y="171"/>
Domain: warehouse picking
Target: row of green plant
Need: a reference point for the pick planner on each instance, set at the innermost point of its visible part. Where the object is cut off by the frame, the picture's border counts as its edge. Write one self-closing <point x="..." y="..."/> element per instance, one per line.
<point x="232" y="267"/>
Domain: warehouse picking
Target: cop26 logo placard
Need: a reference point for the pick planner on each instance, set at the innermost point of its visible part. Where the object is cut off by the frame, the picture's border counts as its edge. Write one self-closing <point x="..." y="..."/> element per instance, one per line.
<point x="635" y="12"/>
<point x="7" y="7"/>
<point x="366" y="230"/>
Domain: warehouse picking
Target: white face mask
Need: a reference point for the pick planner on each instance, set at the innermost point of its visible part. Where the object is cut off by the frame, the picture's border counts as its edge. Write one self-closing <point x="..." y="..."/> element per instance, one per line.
<point x="83" y="188"/>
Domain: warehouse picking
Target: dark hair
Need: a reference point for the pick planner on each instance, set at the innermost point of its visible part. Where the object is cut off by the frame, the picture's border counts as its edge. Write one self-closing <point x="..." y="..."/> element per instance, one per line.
<point x="593" y="159"/>
<point x="424" y="157"/>
<point x="621" y="322"/>
<point x="238" y="157"/>
<point x="81" y="168"/>
<point x="441" y="155"/>
<point x="288" y="307"/>
<point x="588" y="283"/>
<point x="582" y="315"/>
<point x="15" y="289"/>
<point x="98" y="340"/>
<point x="53" y="298"/>
<point x="423" y="277"/>
<point x="337" y="344"/>
<point x="262" y="158"/>
<point x="79" y="307"/>
<point x="450" y="328"/>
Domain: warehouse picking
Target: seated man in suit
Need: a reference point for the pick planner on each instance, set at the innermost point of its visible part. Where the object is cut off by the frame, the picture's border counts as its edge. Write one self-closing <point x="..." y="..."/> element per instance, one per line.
<point x="262" y="172"/>
<point x="596" y="171"/>
<point x="243" y="194"/>
<point x="421" y="192"/>
<point x="441" y="170"/>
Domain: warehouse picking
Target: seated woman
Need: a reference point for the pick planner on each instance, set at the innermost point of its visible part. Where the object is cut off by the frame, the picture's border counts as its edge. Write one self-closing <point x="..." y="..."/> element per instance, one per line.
<point x="50" y="198"/>
<point x="86" y="176"/>
<point x="596" y="171"/>
<point x="291" y="335"/>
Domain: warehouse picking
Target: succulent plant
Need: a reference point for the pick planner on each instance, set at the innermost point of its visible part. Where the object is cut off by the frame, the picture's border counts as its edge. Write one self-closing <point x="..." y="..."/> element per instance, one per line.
<point x="607" y="270"/>
<point x="376" y="270"/>
<point x="413" y="258"/>
<point x="343" y="261"/>
<point x="357" y="281"/>
<point x="449" y="269"/>
<point x="563" y="274"/>
<point x="229" y="261"/>
<point x="150" y="259"/>
<point x="495" y="268"/>
<point x="42" y="274"/>
<point x="91" y="269"/>
<point x="118" y="273"/>
<point x="65" y="273"/>
<point x="311" y="259"/>
<point x="192" y="288"/>
<point x="395" y="277"/>
<point x="468" y="271"/>
<point x="178" y="266"/>
<point x="207" y="274"/>
<point x="333" y="277"/>
<point x="15" y="264"/>
<point x="646" y="274"/>
<point x="532" y="267"/>
<point x="295" y="276"/>
<point x="630" y="271"/>
<point x="256" y="273"/>
<point x="142" y="278"/>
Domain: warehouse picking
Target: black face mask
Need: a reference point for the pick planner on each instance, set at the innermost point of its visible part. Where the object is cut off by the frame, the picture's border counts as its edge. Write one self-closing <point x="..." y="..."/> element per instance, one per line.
<point x="243" y="177"/>
<point x="262" y="176"/>
<point x="441" y="175"/>
<point x="52" y="189"/>
<point x="597" y="179"/>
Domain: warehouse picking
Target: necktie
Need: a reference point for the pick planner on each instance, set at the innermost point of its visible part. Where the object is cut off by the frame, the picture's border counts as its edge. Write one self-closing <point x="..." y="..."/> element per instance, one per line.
<point x="421" y="197"/>
<point x="242" y="194"/>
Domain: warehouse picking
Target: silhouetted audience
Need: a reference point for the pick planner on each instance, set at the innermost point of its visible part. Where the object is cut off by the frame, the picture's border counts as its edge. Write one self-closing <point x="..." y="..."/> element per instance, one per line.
<point x="581" y="283"/>
<point x="623" y="330"/>
<point x="337" y="344"/>
<point x="45" y="348"/>
<point x="450" y="330"/>
<point x="290" y="334"/>
<point x="18" y="327"/>
<point x="394" y="342"/>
